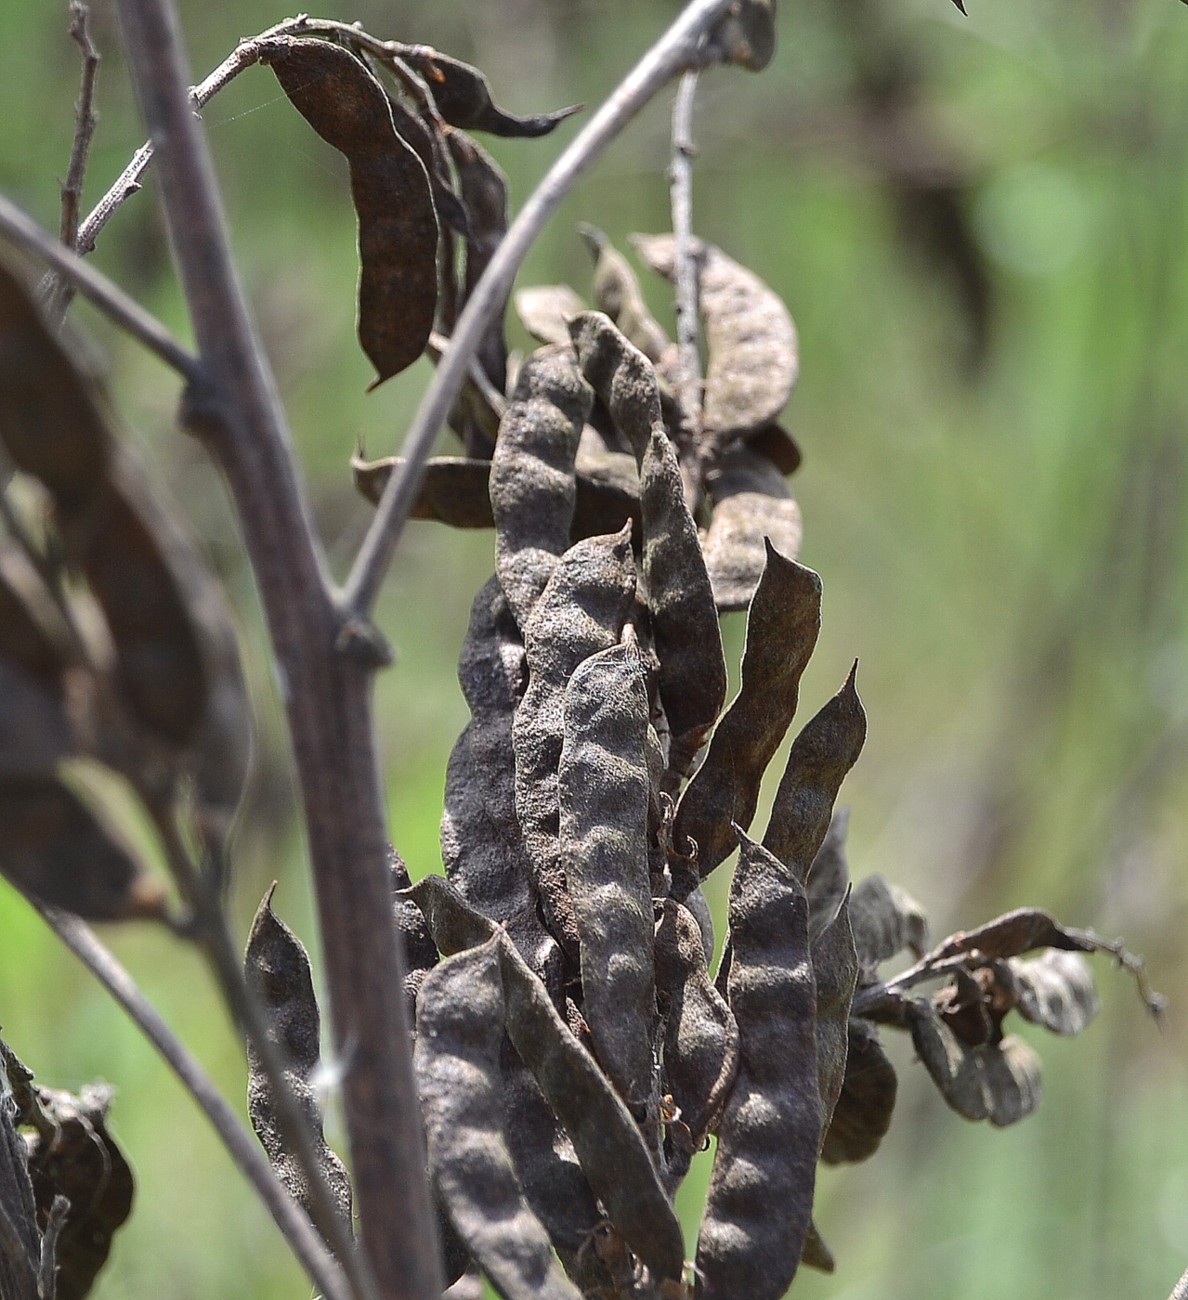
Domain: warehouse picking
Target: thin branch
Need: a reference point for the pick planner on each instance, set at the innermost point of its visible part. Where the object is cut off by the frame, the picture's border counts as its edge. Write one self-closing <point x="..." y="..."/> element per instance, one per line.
<point x="242" y="1146"/>
<point x="688" y="380"/>
<point x="126" y="312"/>
<point x="674" y="52"/>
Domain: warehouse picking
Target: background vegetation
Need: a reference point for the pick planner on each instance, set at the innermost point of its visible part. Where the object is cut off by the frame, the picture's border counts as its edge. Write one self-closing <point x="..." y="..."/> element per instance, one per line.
<point x="980" y="227"/>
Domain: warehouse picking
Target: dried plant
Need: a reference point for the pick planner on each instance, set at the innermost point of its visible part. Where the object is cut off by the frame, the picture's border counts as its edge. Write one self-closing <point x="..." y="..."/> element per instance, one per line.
<point x="535" y="1044"/>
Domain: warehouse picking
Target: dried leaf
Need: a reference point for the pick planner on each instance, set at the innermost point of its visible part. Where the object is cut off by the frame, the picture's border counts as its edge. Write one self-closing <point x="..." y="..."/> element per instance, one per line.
<point x="344" y="103"/>
<point x="886" y="920"/>
<point x="752" y="358"/>
<point x="752" y="507"/>
<point x="1055" y="990"/>
<point x="1020" y="931"/>
<point x="617" y="293"/>
<point x="57" y="849"/>
<point x="463" y="97"/>
<point x="862" y="1114"/>
<point x="532" y="474"/>
<point x="760" y="1198"/>
<point x="745" y="36"/>
<point x="603" y="790"/>
<point x="782" y="627"/>
<point x="546" y="309"/>
<point x="278" y="975"/>
<point x="460" y="1015"/>
<point x="995" y="1081"/>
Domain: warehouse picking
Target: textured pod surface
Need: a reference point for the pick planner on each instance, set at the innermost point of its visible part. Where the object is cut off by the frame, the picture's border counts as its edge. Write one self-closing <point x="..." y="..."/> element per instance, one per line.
<point x="835" y="970"/>
<point x="460" y="1016"/>
<point x="604" y="791"/>
<point x="863" y="1110"/>
<point x="752" y="359"/>
<point x="278" y="975"/>
<point x="345" y="104"/>
<point x="20" y="1253"/>
<point x="580" y="612"/>
<point x="617" y="293"/>
<point x="886" y="920"/>
<point x="761" y="1190"/>
<point x="532" y="474"/>
<point x="621" y="375"/>
<point x="782" y="627"/>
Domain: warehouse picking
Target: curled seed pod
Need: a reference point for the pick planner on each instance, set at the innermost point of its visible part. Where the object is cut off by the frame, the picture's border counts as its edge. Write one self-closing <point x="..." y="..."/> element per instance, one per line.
<point x="545" y="311"/>
<point x="835" y="970"/>
<point x="605" y="1137"/>
<point x="700" y="1041"/>
<point x="603" y="791"/>
<point x="818" y="762"/>
<point x="532" y="474"/>
<point x="752" y="358"/>
<point x="752" y="507"/>
<point x="460" y="1015"/>
<point x="580" y="612"/>
<point x="60" y="851"/>
<point x="344" y="103"/>
<point x="886" y="920"/>
<point x="761" y="1190"/>
<point x="621" y="375"/>
<point x="278" y="975"/>
<point x="617" y="293"/>
<point x="463" y="97"/>
<point x="863" y="1110"/>
<point x="745" y="36"/>
<point x="782" y="627"/>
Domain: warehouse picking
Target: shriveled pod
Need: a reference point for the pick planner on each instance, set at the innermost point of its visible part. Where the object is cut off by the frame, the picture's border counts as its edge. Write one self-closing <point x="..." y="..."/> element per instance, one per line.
<point x="864" y="1106"/>
<point x="344" y="103"/>
<point x="760" y="1198"/>
<point x="545" y="310"/>
<point x="617" y="293"/>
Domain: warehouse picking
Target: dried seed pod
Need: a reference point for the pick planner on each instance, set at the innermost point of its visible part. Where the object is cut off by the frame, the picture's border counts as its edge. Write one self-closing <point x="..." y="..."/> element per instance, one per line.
<point x="700" y="1040"/>
<point x="460" y="1015"/>
<point x="1055" y="990"/>
<point x="816" y="1253"/>
<point x="546" y="309"/>
<point x="782" y="627"/>
<point x="774" y="443"/>
<point x="752" y="507"/>
<point x="430" y="148"/>
<point x="621" y="375"/>
<point x="1020" y="931"/>
<point x="995" y="1081"/>
<point x="603" y="793"/>
<point x="835" y="969"/>
<point x="617" y="293"/>
<point x="862" y="1112"/>
<point x="752" y="358"/>
<point x="581" y="611"/>
<point x="21" y="1252"/>
<point x="60" y="851"/>
<point x="278" y="975"/>
<point x="454" y="491"/>
<point x="829" y="876"/>
<point x="344" y="103"/>
<point x="605" y="1137"/>
<point x="760" y="1198"/>
<point x="532" y="474"/>
<point x="463" y="97"/>
<point x="420" y="952"/>
<point x="886" y="920"/>
<point x="818" y="762"/>
<point x="745" y="36"/>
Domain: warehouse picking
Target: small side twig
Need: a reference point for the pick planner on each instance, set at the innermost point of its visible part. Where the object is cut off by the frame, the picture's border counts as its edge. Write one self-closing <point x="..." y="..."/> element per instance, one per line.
<point x="297" y="1230"/>
<point x="688" y="384"/>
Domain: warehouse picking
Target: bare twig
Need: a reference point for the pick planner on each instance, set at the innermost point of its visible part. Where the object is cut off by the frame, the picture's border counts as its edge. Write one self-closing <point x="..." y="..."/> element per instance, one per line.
<point x="688" y="382"/>
<point x="674" y="52"/>
<point x="242" y="1146"/>
<point x="128" y="314"/>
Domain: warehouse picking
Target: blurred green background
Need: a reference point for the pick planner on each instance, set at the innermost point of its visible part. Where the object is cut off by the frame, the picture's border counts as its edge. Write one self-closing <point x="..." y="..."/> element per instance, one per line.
<point x="980" y="225"/>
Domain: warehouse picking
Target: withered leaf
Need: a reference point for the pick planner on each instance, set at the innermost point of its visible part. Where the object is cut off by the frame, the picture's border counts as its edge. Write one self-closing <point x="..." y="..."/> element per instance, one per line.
<point x="57" y="849"/>
<point x="1055" y="990"/>
<point x="278" y="975"/>
<point x="344" y="103"/>
<point x="760" y="1198"/>
<point x="886" y="920"/>
<point x="545" y="311"/>
<point x="607" y="1140"/>
<point x="617" y="293"/>
<point x="746" y="35"/>
<point x="460" y="1014"/>
<point x="862" y="1113"/>
<point x="752" y="358"/>
<point x="463" y="97"/>
<point x="995" y="1081"/>
<point x="782" y="627"/>
<point x="752" y="506"/>
<point x="603" y="790"/>
<point x="1018" y="932"/>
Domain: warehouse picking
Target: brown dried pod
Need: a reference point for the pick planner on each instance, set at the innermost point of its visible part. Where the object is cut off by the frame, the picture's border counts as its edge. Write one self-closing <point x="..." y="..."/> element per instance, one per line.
<point x="862" y="1112"/>
<point x="835" y="969"/>
<point x="603" y="793"/>
<point x="532" y="474"/>
<point x="20" y="1242"/>
<point x="463" y="97"/>
<point x="1055" y="990"/>
<point x="430" y="148"/>
<point x="782" y="627"/>
<point x="752" y="358"/>
<point x="60" y="851"/>
<point x="760" y="1198"/>
<point x="344" y="103"/>
<point x="752" y="507"/>
<point x="886" y="920"/>
<point x="460" y="1013"/>
<point x="816" y="1253"/>
<point x="621" y="375"/>
<point x="278" y="976"/>
<point x="617" y="293"/>
<point x="829" y="876"/>
<point x="1018" y="932"/>
<point x="745" y="36"/>
<point x="545" y="311"/>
